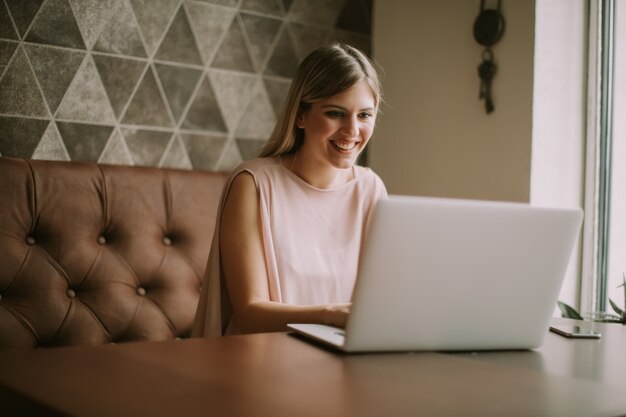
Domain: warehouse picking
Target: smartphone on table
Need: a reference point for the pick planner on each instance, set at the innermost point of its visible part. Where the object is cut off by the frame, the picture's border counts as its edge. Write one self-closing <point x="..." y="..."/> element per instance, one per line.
<point x="574" y="331"/>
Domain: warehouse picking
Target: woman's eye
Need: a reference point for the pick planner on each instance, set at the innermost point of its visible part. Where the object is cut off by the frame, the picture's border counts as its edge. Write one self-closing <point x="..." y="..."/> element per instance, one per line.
<point x="334" y="114"/>
<point x="365" y="115"/>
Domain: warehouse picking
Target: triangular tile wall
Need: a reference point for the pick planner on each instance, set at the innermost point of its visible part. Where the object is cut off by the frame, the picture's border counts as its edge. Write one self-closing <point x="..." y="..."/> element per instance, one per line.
<point x="189" y="84"/>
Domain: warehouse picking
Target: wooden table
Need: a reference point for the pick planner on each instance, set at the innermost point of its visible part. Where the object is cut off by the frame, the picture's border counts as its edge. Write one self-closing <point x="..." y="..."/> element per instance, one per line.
<point x="277" y="374"/>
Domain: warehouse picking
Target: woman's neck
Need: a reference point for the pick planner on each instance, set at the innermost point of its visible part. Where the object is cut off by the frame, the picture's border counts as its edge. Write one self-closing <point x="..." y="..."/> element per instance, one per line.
<point x="318" y="175"/>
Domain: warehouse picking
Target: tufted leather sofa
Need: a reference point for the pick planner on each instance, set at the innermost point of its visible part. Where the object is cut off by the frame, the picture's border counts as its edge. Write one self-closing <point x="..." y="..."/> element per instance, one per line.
<point x="93" y="254"/>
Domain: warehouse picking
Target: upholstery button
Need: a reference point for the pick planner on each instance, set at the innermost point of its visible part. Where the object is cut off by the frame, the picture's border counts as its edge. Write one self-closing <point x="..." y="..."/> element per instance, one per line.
<point x="70" y="293"/>
<point x="167" y="241"/>
<point x="30" y="240"/>
<point x="102" y="240"/>
<point x="141" y="291"/>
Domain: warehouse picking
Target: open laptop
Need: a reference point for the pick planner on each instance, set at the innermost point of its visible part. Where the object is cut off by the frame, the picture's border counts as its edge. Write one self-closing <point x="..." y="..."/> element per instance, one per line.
<point x="455" y="275"/>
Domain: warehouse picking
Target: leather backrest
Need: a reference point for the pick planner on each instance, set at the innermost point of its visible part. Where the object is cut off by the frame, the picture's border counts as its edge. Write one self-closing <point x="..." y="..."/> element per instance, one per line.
<point x="93" y="254"/>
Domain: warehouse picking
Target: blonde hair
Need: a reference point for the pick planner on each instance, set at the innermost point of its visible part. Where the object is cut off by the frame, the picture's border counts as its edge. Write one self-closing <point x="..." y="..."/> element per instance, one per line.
<point x="325" y="72"/>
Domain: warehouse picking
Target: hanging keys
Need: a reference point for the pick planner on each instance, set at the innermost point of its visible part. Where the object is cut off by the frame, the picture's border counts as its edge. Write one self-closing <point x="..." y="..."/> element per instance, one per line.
<point x="486" y="71"/>
<point x="488" y="29"/>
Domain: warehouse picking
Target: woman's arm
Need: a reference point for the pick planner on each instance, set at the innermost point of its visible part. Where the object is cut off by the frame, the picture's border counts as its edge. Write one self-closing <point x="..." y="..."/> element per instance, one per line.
<point x="245" y="271"/>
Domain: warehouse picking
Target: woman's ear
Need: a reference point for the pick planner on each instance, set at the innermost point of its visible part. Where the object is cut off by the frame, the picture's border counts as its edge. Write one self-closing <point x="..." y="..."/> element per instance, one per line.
<point x="300" y="120"/>
<point x="303" y="108"/>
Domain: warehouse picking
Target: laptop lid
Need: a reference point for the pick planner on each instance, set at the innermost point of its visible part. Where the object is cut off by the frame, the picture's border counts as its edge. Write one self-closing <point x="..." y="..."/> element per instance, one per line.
<point x="444" y="274"/>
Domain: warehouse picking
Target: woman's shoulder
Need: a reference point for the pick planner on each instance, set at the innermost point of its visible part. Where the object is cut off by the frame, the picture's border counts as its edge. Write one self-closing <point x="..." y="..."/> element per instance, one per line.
<point x="367" y="174"/>
<point x="255" y="166"/>
<point x="261" y="170"/>
<point x="368" y="179"/>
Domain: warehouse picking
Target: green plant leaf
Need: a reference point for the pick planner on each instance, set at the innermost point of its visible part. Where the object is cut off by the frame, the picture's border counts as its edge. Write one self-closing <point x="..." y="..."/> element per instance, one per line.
<point x="623" y="284"/>
<point x="618" y="310"/>
<point x="568" y="312"/>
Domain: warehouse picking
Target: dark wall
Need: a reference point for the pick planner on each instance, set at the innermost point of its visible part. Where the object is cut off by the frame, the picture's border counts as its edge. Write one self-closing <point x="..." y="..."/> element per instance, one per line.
<point x="168" y="83"/>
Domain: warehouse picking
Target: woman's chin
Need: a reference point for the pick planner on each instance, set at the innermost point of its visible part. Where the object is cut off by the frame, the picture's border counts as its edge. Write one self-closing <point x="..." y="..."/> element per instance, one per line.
<point x="344" y="163"/>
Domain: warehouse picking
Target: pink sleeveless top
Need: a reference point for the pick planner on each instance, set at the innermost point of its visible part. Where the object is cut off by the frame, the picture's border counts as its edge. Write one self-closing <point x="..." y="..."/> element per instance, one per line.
<point x="311" y="237"/>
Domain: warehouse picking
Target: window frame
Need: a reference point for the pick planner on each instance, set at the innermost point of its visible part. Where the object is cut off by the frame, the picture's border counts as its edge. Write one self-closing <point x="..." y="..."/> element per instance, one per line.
<point x="601" y="43"/>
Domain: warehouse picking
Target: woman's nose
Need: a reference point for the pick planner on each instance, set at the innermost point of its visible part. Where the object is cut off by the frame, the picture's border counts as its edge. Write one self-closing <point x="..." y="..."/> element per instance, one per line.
<point x="350" y="126"/>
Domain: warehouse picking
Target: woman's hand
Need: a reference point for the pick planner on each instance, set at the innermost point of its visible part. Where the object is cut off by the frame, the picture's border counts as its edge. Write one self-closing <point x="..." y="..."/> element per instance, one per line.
<point x="337" y="314"/>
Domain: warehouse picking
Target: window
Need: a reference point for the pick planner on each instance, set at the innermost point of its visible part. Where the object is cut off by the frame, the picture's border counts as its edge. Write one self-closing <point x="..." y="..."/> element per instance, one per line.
<point x="559" y="109"/>
<point x="605" y="189"/>
<point x="579" y="141"/>
<point x="616" y="256"/>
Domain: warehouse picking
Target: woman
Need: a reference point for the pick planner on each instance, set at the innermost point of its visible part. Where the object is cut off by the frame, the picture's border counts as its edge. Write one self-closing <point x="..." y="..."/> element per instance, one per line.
<point x="291" y="223"/>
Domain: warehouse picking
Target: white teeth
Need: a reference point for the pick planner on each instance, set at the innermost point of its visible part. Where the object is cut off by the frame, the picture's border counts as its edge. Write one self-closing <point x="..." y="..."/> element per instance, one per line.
<point x="345" y="146"/>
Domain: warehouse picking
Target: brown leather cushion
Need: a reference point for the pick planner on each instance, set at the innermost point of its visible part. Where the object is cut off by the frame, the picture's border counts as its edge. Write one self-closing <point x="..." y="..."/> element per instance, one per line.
<point x="94" y="254"/>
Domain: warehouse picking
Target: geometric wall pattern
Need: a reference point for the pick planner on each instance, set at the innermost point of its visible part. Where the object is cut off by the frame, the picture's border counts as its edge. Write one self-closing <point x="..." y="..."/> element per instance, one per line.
<point x="191" y="84"/>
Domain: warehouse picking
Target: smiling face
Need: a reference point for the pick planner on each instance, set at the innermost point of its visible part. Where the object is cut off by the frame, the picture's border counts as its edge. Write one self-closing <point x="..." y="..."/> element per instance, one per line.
<point x="336" y="129"/>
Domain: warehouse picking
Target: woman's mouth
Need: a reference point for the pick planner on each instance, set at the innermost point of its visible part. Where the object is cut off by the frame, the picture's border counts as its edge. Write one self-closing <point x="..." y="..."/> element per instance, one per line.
<point x="344" y="146"/>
